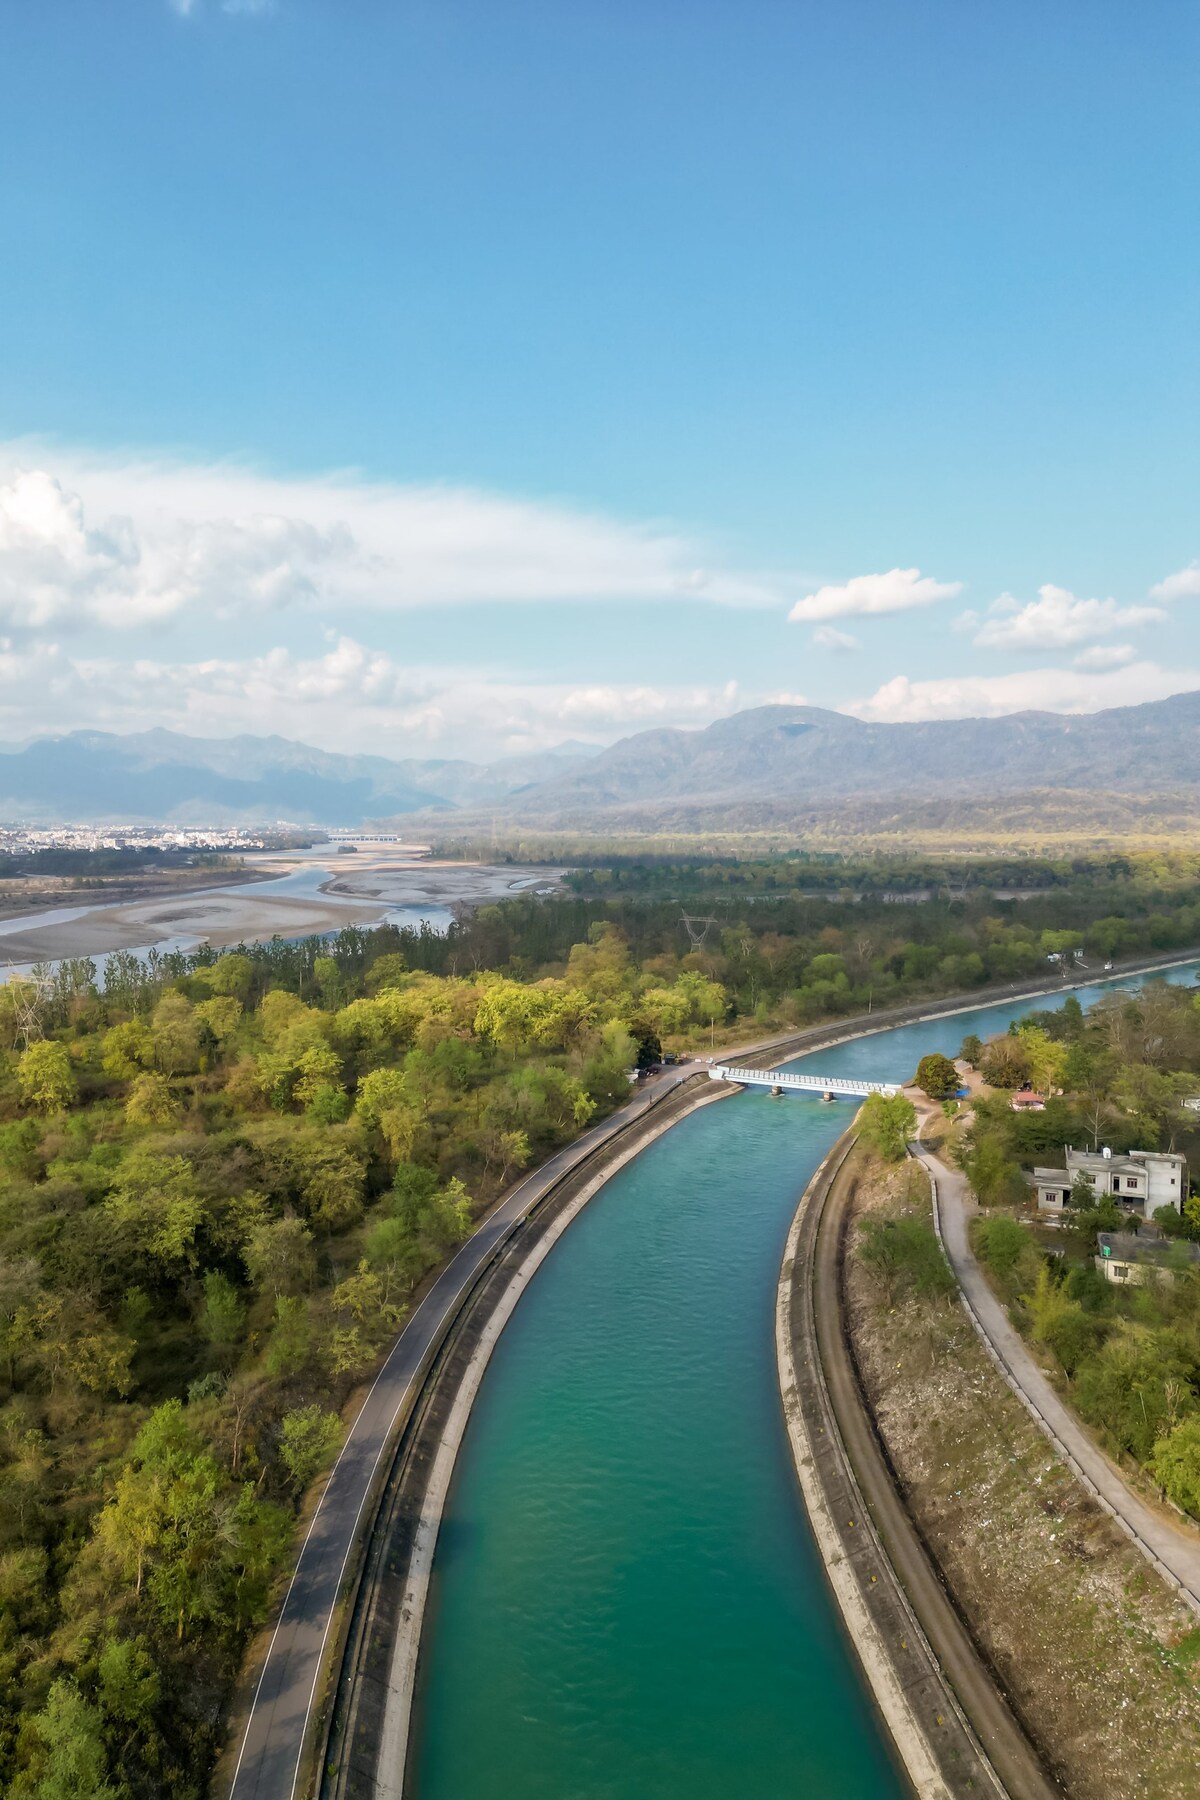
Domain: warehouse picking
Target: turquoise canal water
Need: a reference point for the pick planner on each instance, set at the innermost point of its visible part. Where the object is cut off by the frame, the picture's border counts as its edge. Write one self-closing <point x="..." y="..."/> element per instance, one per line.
<point x="627" y="1604"/>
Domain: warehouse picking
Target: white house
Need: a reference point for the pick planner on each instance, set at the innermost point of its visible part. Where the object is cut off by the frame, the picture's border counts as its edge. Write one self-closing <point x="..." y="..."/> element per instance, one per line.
<point x="1142" y="1181"/>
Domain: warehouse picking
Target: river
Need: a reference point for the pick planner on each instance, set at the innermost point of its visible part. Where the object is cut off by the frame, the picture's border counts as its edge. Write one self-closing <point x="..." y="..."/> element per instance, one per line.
<point x="627" y="1604"/>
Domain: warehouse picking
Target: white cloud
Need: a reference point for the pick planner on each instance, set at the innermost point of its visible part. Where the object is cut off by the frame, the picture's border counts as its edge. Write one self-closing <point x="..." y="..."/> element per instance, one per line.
<point x="1183" y="585"/>
<point x="185" y="8"/>
<point x="896" y="591"/>
<point x="126" y="542"/>
<point x="1105" y="656"/>
<point x="828" y="637"/>
<point x="349" y="697"/>
<point x="1056" y="620"/>
<point x="57" y="571"/>
<point x="1041" y="690"/>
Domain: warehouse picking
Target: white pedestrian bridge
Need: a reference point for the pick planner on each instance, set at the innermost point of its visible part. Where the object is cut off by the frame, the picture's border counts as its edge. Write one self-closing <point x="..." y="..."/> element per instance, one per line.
<point x="840" y="1087"/>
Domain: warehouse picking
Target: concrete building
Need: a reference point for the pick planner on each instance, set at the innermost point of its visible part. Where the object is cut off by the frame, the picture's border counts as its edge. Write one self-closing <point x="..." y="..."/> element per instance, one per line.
<point x="1141" y="1181"/>
<point x="1134" y="1260"/>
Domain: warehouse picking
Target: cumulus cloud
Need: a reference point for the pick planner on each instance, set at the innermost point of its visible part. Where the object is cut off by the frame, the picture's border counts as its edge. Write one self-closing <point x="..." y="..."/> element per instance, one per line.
<point x="828" y="637"/>
<point x="57" y="570"/>
<point x="1183" y="585"/>
<point x="124" y="542"/>
<point x="1039" y="690"/>
<point x="896" y="591"/>
<point x="1056" y="620"/>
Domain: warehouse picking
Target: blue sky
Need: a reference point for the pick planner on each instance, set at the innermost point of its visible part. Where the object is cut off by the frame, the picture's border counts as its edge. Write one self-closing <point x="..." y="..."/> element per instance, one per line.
<point x="455" y="378"/>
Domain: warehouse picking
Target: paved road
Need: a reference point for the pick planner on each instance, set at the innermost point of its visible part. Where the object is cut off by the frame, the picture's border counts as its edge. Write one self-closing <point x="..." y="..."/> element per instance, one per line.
<point x="268" y="1764"/>
<point x="1175" y="1545"/>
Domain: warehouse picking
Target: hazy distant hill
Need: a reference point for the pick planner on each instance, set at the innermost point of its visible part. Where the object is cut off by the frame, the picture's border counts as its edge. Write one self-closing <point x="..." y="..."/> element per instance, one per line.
<point x="95" y="776"/>
<point x="774" y="764"/>
<point x="777" y="760"/>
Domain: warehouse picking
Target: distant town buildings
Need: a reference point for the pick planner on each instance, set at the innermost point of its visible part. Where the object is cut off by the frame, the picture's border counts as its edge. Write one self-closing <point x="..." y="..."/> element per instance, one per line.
<point x="1141" y="1181"/>
<point x="22" y="840"/>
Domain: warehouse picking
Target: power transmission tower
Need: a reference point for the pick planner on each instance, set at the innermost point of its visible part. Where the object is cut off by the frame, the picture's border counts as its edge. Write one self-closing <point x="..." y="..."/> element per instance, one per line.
<point x="695" y="935"/>
<point x="29" y="996"/>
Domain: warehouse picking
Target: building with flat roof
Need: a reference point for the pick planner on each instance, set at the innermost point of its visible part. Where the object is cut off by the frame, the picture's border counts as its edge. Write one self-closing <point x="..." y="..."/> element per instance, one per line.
<point x="1140" y="1180"/>
<point x="1125" y="1256"/>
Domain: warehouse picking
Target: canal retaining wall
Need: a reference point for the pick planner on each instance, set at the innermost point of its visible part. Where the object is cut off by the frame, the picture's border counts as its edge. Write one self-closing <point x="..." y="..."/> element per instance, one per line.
<point x="952" y="1731"/>
<point x="366" y="1752"/>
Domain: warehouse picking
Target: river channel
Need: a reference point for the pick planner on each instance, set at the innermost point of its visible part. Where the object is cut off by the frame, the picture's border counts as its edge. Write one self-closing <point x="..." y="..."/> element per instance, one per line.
<point x="627" y="1604"/>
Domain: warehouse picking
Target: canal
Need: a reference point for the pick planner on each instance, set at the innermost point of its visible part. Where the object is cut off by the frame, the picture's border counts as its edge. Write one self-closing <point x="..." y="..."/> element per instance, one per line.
<point x="627" y="1604"/>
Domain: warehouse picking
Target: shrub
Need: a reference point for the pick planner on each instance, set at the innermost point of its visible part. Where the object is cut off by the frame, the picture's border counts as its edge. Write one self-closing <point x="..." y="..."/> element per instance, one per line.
<point x="908" y="1256"/>
<point x="1000" y="1242"/>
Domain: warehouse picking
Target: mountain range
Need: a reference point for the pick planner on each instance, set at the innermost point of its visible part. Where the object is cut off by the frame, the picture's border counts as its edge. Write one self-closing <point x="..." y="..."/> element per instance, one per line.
<point x="776" y="760"/>
<point x="766" y="765"/>
<point x="98" y="777"/>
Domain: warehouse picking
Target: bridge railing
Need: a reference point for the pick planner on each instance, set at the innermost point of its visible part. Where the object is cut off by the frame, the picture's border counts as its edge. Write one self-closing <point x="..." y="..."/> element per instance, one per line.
<point x="850" y="1086"/>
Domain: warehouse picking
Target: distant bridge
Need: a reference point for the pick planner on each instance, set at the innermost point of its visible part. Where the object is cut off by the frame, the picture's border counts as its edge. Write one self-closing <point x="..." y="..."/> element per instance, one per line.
<point x="841" y="1087"/>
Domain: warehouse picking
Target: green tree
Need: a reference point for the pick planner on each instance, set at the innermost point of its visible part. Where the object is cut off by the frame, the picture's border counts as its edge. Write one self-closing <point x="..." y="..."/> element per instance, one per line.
<point x="1135" y="1389"/>
<point x="1005" y="1063"/>
<point x="278" y="1255"/>
<point x="182" y="1533"/>
<point x="151" y="1102"/>
<point x="219" y="1017"/>
<point x="232" y="974"/>
<point x="995" y="1176"/>
<point x="127" y="1049"/>
<point x="888" y="1124"/>
<point x="157" y="1210"/>
<point x="309" y="1438"/>
<point x="328" y="1104"/>
<point x="223" y="1314"/>
<point x="1175" y="1463"/>
<point x="45" y="1077"/>
<point x="971" y="1051"/>
<point x="75" y="1762"/>
<point x="176" y="1035"/>
<point x="128" y="1682"/>
<point x="290" y="1344"/>
<point x="937" y="1076"/>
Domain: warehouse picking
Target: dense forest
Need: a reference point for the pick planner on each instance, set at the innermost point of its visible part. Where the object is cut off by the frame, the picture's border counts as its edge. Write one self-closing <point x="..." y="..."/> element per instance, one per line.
<point x="217" y="1198"/>
<point x="223" y="1176"/>
<point x="1117" y="1075"/>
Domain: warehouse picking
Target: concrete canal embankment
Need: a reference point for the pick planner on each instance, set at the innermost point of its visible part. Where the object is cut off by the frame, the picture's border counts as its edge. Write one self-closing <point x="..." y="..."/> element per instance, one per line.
<point x="367" y="1746"/>
<point x="951" y="1727"/>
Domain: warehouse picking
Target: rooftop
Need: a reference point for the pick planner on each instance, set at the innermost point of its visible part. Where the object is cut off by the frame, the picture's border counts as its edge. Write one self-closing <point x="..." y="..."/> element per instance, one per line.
<point x="1127" y="1246"/>
<point x="1109" y="1159"/>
